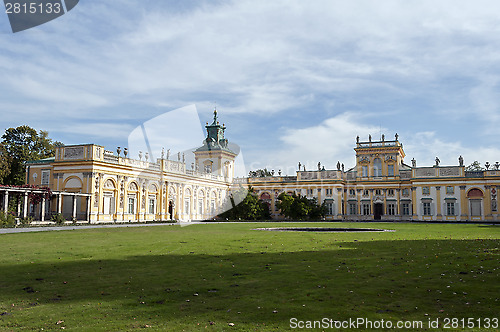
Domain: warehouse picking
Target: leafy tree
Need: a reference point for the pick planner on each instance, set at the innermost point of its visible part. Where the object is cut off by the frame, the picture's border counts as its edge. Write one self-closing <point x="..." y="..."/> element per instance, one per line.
<point x="475" y="166"/>
<point x="250" y="208"/>
<point x="260" y="173"/>
<point x="300" y="207"/>
<point x="20" y="145"/>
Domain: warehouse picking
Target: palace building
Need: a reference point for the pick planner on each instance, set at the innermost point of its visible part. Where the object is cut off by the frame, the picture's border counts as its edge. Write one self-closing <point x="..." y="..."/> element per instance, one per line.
<point x="382" y="187"/>
<point x="92" y="184"/>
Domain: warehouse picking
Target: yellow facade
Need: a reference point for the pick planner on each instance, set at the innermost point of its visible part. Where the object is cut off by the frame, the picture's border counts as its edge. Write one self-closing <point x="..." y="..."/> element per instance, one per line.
<point x="122" y="189"/>
<point x="382" y="187"/>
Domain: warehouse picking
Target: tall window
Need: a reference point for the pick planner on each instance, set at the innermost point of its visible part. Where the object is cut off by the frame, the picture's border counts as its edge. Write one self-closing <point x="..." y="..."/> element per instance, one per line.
<point x="131" y="205"/>
<point x="427" y="208"/>
<point x="390" y="170"/>
<point x="406" y="209"/>
<point x="366" y="209"/>
<point x="187" y="206"/>
<point x="200" y="206"/>
<point x="391" y="209"/>
<point x="352" y="209"/>
<point x="377" y="167"/>
<point x="108" y="203"/>
<point x="329" y="208"/>
<point x="450" y="208"/>
<point x="152" y="205"/>
<point x="45" y="178"/>
<point x="364" y="170"/>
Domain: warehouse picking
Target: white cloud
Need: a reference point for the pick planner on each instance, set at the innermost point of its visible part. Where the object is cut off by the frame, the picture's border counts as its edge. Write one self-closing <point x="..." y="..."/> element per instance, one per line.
<point x="260" y="58"/>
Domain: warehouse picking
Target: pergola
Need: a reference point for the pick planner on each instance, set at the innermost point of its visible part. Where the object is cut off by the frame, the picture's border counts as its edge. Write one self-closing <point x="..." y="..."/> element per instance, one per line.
<point x="45" y="209"/>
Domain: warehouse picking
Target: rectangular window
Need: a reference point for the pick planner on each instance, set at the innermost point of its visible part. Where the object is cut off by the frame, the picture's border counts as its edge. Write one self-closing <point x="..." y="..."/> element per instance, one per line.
<point x="390" y="192"/>
<point x="329" y="208"/>
<point x="352" y="209"/>
<point x="309" y="192"/>
<point x="391" y="209"/>
<point x="450" y="208"/>
<point x="329" y="192"/>
<point x="378" y="192"/>
<point x="364" y="170"/>
<point x="365" y="192"/>
<point x="45" y="178"/>
<point x="450" y="190"/>
<point x="406" y="209"/>
<point x="131" y="205"/>
<point x="390" y="170"/>
<point x="366" y="209"/>
<point x="352" y="192"/>
<point x="426" y="190"/>
<point x="427" y="208"/>
<point x="152" y="205"/>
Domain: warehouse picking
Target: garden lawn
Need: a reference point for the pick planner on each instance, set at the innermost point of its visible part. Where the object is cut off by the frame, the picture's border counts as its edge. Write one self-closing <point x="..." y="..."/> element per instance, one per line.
<point x="206" y="277"/>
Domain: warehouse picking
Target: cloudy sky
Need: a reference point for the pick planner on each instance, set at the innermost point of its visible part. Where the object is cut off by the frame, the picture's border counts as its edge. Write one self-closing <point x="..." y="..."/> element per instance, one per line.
<point x="293" y="80"/>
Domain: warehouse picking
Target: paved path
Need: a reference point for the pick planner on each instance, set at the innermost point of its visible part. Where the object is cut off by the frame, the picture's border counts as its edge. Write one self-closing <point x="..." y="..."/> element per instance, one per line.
<point x="68" y="228"/>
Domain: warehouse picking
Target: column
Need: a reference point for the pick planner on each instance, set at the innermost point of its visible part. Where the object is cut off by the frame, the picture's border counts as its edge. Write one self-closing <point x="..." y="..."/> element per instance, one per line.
<point x="6" y="202"/>
<point x="42" y="211"/>
<point x="386" y="208"/>
<point x="463" y="203"/>
<point x="438" y="203"/>
<point x="398" y="203"/>
<point x="25" y="209"/>
<point x="89" y="203"/>
<point x="18" y="214"/>
<point x="487" y="202"/>
<point x="59" y="203"/>
<point x="341" y="203"/>
<point x="414" y="203"/>
<point x="358" y="203"/>
<point x="74" y="207"/>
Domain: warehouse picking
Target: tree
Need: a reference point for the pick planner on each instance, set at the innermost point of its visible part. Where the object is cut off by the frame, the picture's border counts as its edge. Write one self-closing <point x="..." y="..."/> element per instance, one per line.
<point x="20" y="145"/>
<point x="300" y="207"/>
<point x="250" y="208"/>
<point x="475" y="166"/>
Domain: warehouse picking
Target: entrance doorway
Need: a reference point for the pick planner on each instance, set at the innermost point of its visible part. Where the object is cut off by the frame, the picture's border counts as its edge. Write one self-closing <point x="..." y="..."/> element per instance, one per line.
<point x="171" y="210"/>
<point x="378" y="211"/>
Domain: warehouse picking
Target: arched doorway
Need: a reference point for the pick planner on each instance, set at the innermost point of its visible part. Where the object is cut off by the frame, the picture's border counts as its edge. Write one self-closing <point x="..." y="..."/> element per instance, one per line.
<point x="378" y="211"/>
<point x="475" y="197"/>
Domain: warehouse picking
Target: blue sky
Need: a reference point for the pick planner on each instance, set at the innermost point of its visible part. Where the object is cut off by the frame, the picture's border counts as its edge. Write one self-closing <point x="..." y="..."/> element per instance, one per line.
<point x="293" y="80"/>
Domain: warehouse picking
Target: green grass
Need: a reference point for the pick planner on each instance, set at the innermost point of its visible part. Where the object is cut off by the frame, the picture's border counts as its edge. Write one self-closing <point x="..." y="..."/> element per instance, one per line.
<point x="182" y="278"/>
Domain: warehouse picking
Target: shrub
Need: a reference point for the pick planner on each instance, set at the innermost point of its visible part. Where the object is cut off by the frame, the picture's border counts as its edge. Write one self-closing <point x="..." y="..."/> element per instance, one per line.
<point x="7" y="219"/>
<point x="58" y="218"/>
